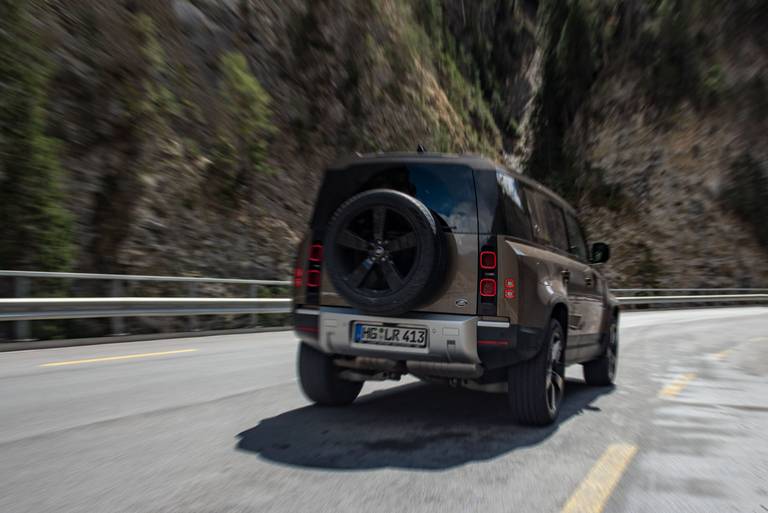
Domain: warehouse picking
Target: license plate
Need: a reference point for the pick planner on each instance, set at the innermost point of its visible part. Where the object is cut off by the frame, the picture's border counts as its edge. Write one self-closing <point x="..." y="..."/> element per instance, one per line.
<point x="390" y="335"/>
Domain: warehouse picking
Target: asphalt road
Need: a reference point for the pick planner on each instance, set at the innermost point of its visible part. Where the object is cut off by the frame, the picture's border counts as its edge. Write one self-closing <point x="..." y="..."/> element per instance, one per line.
<point x="218" y="424"/>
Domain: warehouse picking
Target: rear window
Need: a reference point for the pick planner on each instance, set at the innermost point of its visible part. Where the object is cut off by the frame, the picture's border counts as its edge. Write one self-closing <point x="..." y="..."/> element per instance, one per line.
<point x="501" y="205"/>
<point x="447" y="190"/>
<point x="548" y="221"/>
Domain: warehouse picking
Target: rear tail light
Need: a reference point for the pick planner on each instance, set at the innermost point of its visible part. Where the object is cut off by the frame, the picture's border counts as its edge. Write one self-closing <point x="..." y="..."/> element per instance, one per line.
<point x="487" y="274"/>
<point x="298" y="277"/>
<point x="509" y="289"/>
<point x="313" y="278"/>
<point x="493" y="343"/>
<point x="316" y="253"/>
<point x="488" y="287"/>
<point x="487" y="260"/>
<point x="315" y="262"/>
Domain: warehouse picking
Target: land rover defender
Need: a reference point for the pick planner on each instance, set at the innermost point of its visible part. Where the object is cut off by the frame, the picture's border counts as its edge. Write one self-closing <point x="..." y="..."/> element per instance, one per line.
<point x="453" y="269"/>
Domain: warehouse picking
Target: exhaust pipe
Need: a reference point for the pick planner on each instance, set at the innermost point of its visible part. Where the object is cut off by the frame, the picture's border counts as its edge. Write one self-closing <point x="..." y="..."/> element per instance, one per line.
<point x="446" y="370"/>
<point x="367" y="363"/>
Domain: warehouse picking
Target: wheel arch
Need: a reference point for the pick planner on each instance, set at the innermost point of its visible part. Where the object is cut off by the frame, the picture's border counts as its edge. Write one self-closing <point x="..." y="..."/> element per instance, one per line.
<point x="560" y="312"/>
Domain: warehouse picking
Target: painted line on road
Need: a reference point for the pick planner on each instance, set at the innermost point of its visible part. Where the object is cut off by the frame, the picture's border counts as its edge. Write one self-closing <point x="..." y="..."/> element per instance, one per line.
<point x="113" y="358"/>
<point x="593" y="492"/>
<point x="677" y="386"/>
<point x="722" y="355"/>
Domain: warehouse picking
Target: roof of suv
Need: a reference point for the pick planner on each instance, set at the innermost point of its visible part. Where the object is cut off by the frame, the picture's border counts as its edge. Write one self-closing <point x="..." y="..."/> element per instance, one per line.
<point x="473" y="161"/>
<point x="378" y="158"/>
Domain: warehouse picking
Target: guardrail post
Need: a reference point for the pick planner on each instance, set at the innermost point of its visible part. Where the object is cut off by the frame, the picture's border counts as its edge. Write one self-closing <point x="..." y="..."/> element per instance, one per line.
<point x="254" y="293"/>
<point x="116" y="323"/>
<point x="192" y="319"/>
<point x="21" y="290"/>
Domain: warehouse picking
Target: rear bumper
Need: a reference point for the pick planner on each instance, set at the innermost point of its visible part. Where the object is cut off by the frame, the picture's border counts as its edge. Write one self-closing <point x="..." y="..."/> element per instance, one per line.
<point x="451" y="338"/>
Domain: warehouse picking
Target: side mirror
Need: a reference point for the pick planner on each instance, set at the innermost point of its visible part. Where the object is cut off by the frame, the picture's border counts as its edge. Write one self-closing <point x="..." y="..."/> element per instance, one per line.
<point x="601" y="252"/>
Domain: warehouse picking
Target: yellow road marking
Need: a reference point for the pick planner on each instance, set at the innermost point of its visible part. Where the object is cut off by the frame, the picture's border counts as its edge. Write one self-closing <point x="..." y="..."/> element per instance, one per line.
<point x="677" y="385"/>
<point x="722" y="355"/>
<point x="596" y="488"/>
<point x="113" y="358"/>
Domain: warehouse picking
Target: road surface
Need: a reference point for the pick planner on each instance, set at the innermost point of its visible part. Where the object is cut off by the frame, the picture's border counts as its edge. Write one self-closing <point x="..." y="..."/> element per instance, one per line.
<point x="218" y="424"/>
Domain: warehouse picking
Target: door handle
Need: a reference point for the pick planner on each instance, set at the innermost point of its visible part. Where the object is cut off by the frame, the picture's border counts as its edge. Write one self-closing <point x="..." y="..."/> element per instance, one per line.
<point x="589" y="277"/>
<point x="566" y="274"/>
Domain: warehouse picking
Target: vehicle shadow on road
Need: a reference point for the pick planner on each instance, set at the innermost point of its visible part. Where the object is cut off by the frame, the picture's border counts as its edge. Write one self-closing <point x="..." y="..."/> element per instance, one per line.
<point x="416" y="426"/>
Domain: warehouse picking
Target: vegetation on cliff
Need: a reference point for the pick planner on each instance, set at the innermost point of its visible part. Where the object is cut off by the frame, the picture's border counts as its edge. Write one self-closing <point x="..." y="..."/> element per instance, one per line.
<point x="36" y="228"/>
<point x="190" y="135"/>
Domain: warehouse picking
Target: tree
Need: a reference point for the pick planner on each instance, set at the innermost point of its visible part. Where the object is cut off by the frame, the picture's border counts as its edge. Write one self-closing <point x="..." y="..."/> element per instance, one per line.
<point x="568" y="74"/>
<point x="243" y="142"/>
<point x="574" y="66"/>
<point x="675" y="74"/>
<point x="36" y="229"/>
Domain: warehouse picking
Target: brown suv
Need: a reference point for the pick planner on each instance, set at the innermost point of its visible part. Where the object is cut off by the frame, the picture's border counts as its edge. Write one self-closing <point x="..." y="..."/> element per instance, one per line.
<point x="455" y="270"/>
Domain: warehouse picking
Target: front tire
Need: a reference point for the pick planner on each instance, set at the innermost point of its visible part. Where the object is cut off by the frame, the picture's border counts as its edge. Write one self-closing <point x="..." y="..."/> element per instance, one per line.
<point x="602" y="372"/>
<point x="319" y="379"/>
<point x="536" y="387"/>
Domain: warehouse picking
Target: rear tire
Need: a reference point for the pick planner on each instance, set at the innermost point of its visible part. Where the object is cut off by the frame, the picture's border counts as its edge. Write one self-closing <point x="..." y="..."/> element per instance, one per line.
<point x="536" y="387"/>
<point x="319" y="379"/>
<point x="602" y="372"/>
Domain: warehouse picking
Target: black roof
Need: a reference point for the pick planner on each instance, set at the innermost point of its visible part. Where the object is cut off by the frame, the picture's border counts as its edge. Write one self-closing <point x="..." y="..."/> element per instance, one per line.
<point x="474" y="161"/>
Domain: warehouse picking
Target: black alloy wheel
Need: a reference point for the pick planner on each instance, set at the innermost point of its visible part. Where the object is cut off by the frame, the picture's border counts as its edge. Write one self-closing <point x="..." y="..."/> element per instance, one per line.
<point x="385" y="252"/>
<point x="602" y="371"/>
<point x="555" y="382"/>
<point x="379" y="250"/>
<point x="537" y="386"/>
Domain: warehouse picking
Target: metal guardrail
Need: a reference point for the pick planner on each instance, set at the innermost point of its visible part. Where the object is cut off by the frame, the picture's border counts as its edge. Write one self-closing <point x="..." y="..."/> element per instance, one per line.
<point x="23" y="309"/>
<point x="90" y="308"/>
<point x="661" y="296"/>
<point x="34" y="309"/>
<point x="132" y="277"/>
<point x="117" y="306"/>
<point x="747" y="290"/>
<point x="704" y="298"/>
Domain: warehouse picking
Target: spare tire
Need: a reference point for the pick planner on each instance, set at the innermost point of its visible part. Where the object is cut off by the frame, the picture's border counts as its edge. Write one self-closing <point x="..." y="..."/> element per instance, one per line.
<point x="385" y="252"/>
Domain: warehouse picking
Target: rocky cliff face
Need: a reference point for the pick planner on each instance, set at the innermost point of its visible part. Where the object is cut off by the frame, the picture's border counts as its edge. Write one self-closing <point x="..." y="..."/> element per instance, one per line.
<point x="192" y="133"/>
<point x="671" y="138"/>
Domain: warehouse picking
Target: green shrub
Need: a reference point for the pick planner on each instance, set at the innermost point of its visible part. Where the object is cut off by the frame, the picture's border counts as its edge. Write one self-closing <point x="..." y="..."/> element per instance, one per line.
<point x="159" y="101"/>
<point x="569" y="70"/>
<point x="713" y="85"/>
<point x="573" y="68"/>
<point x="36" y="228"/>
<point x="243" y="140"/>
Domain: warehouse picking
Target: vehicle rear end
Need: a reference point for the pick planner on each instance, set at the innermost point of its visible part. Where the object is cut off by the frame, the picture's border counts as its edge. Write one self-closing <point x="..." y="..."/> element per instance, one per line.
<point x="401" y="271"/>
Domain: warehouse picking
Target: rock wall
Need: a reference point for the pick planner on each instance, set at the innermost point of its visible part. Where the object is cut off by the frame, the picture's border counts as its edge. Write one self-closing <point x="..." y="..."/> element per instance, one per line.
<point x="193" y="133"/>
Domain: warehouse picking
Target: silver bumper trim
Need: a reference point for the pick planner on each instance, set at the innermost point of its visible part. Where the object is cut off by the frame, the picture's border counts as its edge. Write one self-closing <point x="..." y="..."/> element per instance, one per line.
<point x="451" y="338"/>
<point x="492" y="324"/>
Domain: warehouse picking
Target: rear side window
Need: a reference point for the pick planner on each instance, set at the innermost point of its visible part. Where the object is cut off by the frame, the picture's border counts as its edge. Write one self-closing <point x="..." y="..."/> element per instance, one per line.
<point x="501" y="205"/>
<point x="548" y="221"/>
<point x="447" y="190"/>
<point x="577" y="244"/>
